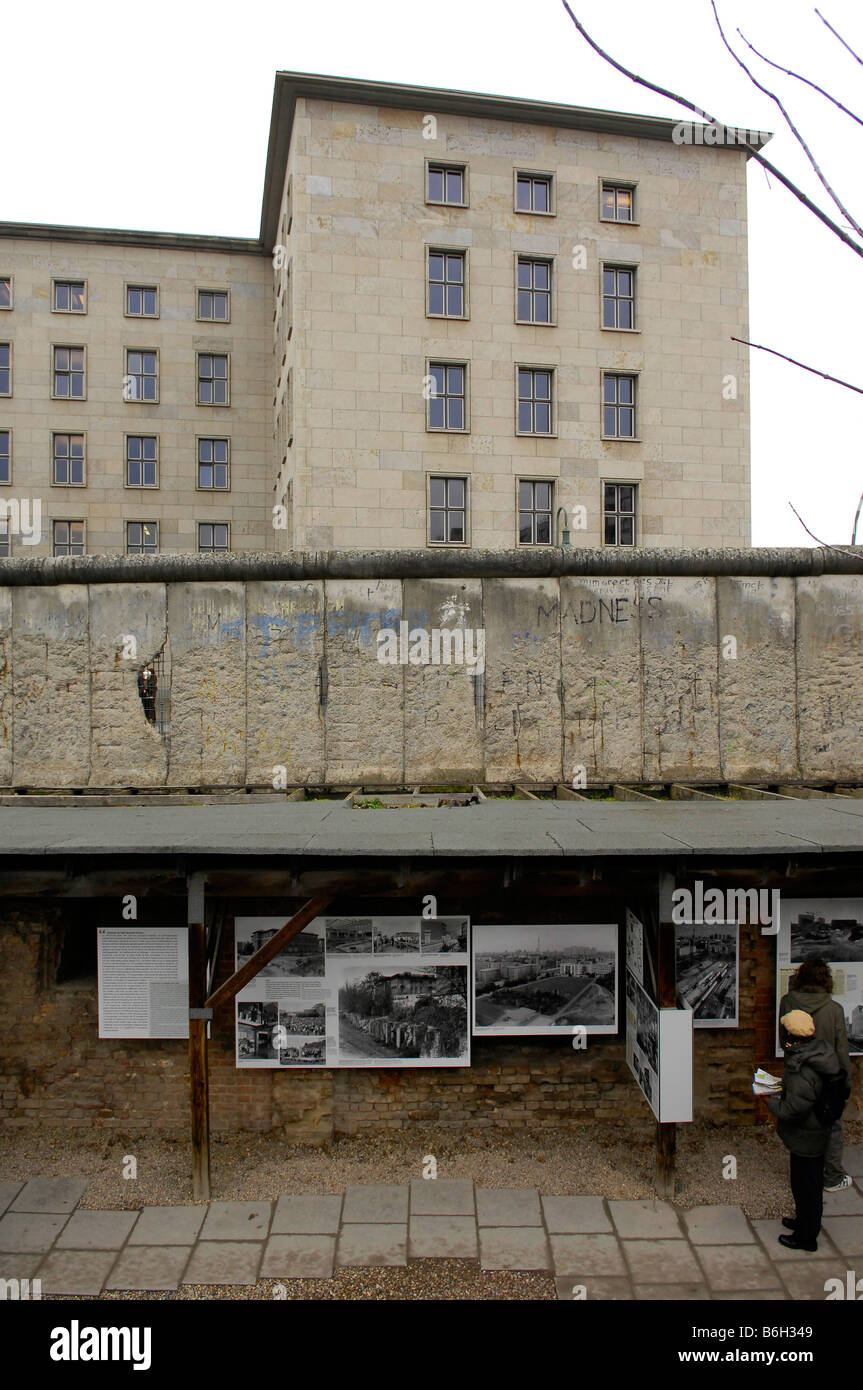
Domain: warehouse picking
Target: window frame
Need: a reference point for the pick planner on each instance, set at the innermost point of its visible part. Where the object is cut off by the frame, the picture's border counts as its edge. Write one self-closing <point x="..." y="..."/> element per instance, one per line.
<point x="127" y="523"/>
<point x="63" y="281"/>
<point x="636" y="513"/>
<point x="438" y="249"/>
<point x="136" y="285"/>
<point x="199" y="439"/>
<point x="457" y="475"/>
<point x="632" y="186"/>
<point x="212" y="405"/>
<point x="631" y="269"/>
<point x="71" y="347"/>
<point x="199" y="524"/>
<point x="464" y="365"/>
<point x="207" y="289"/>
<point x="446" y="164"/>
<point x="7" y="308"/>
<point x="537" y="367"/>
<point x="67" y="434"/>
<point x="552" y="289"/>
<point x="141" y="400"/>
<point x="7" y="395"/>
<point x="635" y="437"/>
<point x="67" y="521"/>
<point x="139" y="487"/>
<point x="533" y="479"/>
<point x="546" y="174"/>
<point x="7" y="540"/>
<point x="8" y="430"/>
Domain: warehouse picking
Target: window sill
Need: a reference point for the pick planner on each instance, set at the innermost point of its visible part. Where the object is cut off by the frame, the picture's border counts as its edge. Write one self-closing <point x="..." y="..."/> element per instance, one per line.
<point x="621" y="439"/>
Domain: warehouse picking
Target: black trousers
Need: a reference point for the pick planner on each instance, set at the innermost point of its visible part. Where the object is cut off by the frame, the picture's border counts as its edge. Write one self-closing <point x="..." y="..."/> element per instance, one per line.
<point x="807" y="1189"/>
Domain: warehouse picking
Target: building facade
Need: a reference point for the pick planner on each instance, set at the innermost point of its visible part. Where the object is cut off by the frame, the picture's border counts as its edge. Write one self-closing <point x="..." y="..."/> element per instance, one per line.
<point x="462" y="313"/>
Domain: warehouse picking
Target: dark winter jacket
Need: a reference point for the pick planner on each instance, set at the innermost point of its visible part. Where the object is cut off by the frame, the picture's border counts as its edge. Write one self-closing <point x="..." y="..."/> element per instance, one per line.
<point x="828" y="1016"/>
<point x="807" y="1062"/>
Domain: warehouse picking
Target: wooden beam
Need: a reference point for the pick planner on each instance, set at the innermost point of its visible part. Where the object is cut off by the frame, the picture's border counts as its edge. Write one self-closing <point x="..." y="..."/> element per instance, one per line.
<point x="270" y="948"/>
<point x="198" y="1076"/>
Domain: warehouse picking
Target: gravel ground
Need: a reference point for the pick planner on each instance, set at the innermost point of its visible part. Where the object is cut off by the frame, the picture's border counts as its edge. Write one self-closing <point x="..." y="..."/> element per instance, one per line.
<point x="251" y="1167"/>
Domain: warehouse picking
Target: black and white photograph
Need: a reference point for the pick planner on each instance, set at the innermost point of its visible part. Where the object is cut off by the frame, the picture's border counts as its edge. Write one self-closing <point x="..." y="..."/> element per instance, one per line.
<point x="829" y="929"/>
<point x="404" y="1014"/>
<point x="544" y="979"/>
<point x="302" y="1049"/>
<point x="257" y="1031"/>
<point x="706" y="961"/>
<point x="395" y="936"/>
<point x="647" y="1029"/>
<point x="304" y="955"/>
<point x="443" y="935"/>
<point x="349" y="936"/>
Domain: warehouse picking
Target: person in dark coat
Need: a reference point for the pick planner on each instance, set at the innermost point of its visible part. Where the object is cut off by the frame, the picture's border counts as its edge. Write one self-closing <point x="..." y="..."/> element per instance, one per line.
<point x="810" y="990"/>
<point x="808" y="1060"/>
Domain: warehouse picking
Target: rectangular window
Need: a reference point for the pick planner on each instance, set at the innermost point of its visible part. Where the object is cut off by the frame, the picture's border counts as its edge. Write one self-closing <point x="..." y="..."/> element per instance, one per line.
<point x="5" y="456"/>
<point x="70" y="297"/>
<point x="534" y="400"/>
<point x="5" y="541"/>
<point x="68" y="537"/>
<point x="142" y="537"/>
<point x="142" y="301"/>
<point x="447" y="184"/>
<point x="618" y="296"/>
<point x="447" y="511"/>
<point x="5" y="369"/>
<point x="618" y="406"/>
<point x="617" y="202"/>
<point x="142" y="460"/>
<point x="5" y="291"/>
<point x="213" y="305"/>
<point x="534" y="512"/>
<point x="68" y="460"/>
<point x="289" y="301"/>
<point x="289" y="207"/>
<point x="533" y="192"/>
<point x="213" y="537"/>
<point x="213" y="463"/>
<point x="448" y="396"/>
<point x="141" y="385"/>
<point x="619" y="509"/>
<point x="69" y="373"/>
<point x="212" y="379"/>
<point x="533" y="291"/>
<point x="446" y="284"/>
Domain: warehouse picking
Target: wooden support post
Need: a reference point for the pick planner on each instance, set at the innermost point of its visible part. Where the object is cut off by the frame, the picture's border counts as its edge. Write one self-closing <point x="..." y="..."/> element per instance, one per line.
<point x="198" y="1076"/>
<point x="666" y="998"/>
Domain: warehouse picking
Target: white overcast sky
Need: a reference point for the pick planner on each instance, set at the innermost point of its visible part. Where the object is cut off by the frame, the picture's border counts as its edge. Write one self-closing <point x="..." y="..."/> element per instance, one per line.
<point x="163" y="125"/>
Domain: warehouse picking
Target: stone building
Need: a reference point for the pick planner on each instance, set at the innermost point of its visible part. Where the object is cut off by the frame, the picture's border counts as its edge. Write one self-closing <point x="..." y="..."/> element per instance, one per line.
<point x="461" y="313"/>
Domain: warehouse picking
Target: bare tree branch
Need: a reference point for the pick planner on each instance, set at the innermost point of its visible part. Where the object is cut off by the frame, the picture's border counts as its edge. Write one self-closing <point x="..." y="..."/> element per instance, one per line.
<point x="742" y="144"/>
<point x="789" y="72"/>
<point x="826" y="375"/>
<point x="791" y="126"/>
<point x="838" y="36"/>
<point x="826" y="544"/>
<point x="856" y="519"/>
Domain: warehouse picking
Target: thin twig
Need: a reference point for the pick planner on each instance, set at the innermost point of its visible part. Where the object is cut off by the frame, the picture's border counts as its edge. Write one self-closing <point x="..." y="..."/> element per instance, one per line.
<point x="826" y="544"/>
<point x="791" y="126"/>
<point x="741" y="144"/>
<point x="837" y="35"/>
<point x="826" y="375"/>
<point x="789" y="72"/>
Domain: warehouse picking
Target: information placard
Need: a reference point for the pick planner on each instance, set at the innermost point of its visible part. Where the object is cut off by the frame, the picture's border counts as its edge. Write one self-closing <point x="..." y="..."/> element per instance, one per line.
<point x="143" y="982"/>
<point x="531" y="980"/>
<point x="831" y="929"/>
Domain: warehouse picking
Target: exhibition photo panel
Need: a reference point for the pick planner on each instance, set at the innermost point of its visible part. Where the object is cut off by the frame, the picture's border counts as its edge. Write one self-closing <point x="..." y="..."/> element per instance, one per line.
<point x="829" y="929"/>
<point x="544" y="980"/>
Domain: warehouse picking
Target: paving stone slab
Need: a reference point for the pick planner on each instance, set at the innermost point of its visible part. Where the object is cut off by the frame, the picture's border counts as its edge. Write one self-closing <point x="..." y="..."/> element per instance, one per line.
<point x="224" y="1262"/>
<point x="852" y="1161"/>
<point x="718" y="1225"/>
<point x="768" y="1233"/>
<point x="25" y="1231"/>
<point x="8" y="1192"/>
<point x="845" y="1233"/>
<point x="144" y="1267"/>
<point x="513" y="1247"/>
<point x="576" y="1215"/>
<point x="771" y="1295"/>
<point x="303" y="1256"/>
<point x="508" y="1206"/>
<point x="806" y="1279"/>
<point x="645" y="1220"/>
<point x="603" y="1289"/>
<point x="49" y="1195"/>
<point x="307" y="1215"/>
<point x="661" y="1262"/>
<point x="580" y="1256"/>
<point x="442" y="1197"/>
<point x="849" y="1202"/>
<point x="158" y="1226"/>
<point x="377" y="1243"/>
<point x="365" y="1205"/>
<point x="672" y="1293"/>
<point x="19" y="1266"/>
<point x="96" y="1230"/>
<point x="737" y="1267"/>
<point x="76" y="1271"/>
<point x="237" y="1221"/>
<point x="442" y="1238"/>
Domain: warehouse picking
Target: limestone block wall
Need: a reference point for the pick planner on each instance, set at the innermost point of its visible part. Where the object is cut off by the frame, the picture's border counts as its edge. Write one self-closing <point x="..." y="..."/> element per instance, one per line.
<point x="654" y="678"/>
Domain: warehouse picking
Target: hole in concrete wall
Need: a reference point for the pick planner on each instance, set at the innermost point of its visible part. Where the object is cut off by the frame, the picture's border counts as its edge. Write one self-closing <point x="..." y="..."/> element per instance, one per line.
<point x="154" y="692"/>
